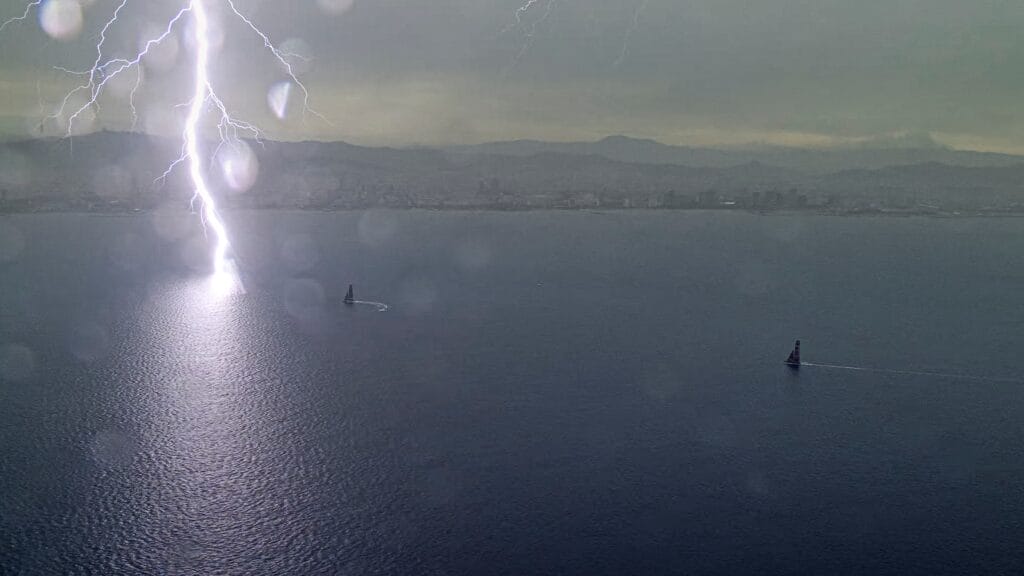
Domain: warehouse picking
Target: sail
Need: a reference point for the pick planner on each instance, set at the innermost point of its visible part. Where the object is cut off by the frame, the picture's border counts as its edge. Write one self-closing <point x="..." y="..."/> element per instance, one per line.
<point x="794" y="356"/>
<point x="349" y="296"/>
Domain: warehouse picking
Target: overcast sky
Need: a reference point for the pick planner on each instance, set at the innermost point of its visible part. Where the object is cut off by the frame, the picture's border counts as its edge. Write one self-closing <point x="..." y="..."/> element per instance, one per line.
<point x="701" y="72"/>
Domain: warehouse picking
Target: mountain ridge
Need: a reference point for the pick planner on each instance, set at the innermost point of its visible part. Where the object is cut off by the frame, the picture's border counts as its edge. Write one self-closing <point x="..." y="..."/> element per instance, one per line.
<point x="116" y="171"/>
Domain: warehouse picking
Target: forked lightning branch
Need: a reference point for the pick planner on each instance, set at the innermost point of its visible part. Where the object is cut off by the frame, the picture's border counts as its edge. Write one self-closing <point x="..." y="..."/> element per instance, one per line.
<point x="192" y="18"/>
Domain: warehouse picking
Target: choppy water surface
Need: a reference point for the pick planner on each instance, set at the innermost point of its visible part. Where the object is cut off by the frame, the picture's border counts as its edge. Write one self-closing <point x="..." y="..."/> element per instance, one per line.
<point x="549" y="393"/>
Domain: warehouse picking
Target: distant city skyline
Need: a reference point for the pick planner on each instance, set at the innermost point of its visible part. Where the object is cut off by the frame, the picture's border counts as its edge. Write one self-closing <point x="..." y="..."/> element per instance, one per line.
<point x="695" y="72"/>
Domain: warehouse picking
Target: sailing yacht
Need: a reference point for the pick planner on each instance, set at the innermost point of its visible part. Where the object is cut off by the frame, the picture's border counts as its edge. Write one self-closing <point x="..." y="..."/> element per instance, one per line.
<point x="794" y="357"/>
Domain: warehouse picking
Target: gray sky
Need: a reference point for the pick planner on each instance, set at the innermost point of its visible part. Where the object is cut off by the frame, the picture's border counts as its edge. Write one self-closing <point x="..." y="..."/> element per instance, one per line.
<point x="701" y="72"/>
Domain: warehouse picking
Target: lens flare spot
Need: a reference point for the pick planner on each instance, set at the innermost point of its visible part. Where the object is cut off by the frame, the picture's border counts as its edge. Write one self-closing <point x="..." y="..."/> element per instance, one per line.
<point x="335" y="6"/>
<point x="61" y="19"/>
<point x="277" y="98"/>
<point x="239" y="165"/>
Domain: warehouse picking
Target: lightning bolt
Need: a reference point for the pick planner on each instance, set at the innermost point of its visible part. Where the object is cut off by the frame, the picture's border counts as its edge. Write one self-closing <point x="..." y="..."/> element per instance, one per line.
<point x="203" y="91"/>
<point x="629" y="33"/>
<point x="530" y="32"/>
<point x="204" y="97"/>
<point x="28" y="10"/>
<point x="519" y="13"/>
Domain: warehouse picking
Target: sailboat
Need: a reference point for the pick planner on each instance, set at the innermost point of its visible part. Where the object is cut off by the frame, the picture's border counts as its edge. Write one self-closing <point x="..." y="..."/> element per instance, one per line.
<point x="794" y="357"/>
<point x="350" y="298"/>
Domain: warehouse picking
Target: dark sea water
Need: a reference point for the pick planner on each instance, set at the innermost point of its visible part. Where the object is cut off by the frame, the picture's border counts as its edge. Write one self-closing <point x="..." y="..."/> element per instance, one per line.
<point x="549" y="393"/>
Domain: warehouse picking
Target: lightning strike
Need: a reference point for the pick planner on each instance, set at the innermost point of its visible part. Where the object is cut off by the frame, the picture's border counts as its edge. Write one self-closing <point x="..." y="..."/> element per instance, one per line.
<point x="524" y="9"/>
<point x="629" y="33"/>
<point x="530" y="32"/>
<point x="204" y="97"/>
<point x="519" y="13"/>
<point x="24" y="16"/>
<point x="202" y="92"/>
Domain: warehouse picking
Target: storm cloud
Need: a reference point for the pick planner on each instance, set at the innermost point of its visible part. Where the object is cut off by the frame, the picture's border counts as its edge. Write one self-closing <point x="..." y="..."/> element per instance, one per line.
<point x="703" y="72"/>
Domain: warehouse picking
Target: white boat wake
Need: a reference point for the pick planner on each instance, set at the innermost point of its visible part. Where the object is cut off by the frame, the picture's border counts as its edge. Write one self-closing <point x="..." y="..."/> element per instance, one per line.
<point x="914" y="373"/>
<point x="380" y="306"/>
<point x="350" y="300"/>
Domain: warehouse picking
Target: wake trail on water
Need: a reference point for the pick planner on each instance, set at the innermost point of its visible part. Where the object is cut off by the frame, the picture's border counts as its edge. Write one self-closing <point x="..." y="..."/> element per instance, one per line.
<point x="380" y="306"/>
<point x="949" y="375"/>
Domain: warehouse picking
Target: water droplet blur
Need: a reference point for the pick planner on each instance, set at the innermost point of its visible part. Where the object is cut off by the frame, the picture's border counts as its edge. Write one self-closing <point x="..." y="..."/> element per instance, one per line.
<point x="17" y="363"/>
<point x="61" y="19"/>
<point x="335" y="6"/>
<point x="277" y="98"/>
<point x="12" y="242"/>
<point x="239" y="165"/>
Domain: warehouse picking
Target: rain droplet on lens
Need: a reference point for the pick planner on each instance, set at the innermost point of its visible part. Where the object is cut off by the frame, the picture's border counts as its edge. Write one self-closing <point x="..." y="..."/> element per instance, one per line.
<point x="277" y="98"/>
<point x="336" y="7"/>
<point x="61" y="19"/>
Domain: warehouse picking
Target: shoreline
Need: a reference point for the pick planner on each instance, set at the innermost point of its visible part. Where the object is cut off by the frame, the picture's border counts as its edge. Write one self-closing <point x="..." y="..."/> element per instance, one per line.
<point x="891" y="213"/>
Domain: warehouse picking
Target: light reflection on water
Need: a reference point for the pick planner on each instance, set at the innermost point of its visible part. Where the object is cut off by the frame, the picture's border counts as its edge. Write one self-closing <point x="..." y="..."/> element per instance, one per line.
<point x="582" y="395"/>
<point x="212" y="433"/>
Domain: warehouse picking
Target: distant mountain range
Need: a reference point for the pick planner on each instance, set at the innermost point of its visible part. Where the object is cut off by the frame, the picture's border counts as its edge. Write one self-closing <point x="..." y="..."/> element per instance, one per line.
<point x="812" y="161"/>
<point x="116" y="171"/>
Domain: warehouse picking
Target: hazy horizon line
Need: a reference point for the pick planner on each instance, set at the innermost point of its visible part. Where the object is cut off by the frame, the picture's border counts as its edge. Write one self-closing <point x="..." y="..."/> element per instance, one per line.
<point x="887" y="143"/>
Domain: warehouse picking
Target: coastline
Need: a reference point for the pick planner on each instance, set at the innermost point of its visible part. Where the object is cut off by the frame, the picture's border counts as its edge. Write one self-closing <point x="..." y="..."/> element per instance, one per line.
<point x="814" y="211"/>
